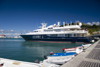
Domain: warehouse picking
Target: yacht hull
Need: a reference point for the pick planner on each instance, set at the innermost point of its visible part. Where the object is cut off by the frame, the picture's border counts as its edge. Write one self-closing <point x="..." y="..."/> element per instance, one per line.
<point x="46" y="38"/>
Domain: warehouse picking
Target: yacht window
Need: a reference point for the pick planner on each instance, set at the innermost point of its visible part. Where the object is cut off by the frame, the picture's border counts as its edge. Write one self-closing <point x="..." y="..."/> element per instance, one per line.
<point x="53" y="35"/>
<point x="66" y="35"/>
<point x="48" y="30"/>
<point x="48" y="34"/>
<point x="61" y="35"/>
<point x="69" y="35"/>
<point x="72" y="29"/>
<point x="57" y="30"/>
<point x="65" y="29"/>
<point x="79" y="35"/>
<point x="35" y="31"/>
<point x="37" y="36"/>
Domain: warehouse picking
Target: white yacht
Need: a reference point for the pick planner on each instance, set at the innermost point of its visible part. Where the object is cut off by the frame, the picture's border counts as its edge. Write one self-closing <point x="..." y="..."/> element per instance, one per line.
<point x="56" y="33"/>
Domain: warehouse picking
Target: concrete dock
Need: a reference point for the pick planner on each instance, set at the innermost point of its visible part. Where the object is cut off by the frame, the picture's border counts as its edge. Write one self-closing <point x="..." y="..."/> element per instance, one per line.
<point x="89" y="58"/>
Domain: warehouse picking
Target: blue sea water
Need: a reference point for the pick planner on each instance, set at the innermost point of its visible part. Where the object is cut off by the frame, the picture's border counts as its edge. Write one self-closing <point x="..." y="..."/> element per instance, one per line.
<point x="19" y="49"/>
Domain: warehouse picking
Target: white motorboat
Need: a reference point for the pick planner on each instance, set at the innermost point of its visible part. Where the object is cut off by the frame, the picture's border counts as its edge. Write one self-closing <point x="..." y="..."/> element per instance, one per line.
<point x="45" y="63"/>
<point x="86" y="46"/>
<point x="60" y="58"/>
<point x="15" y="63"/>
<point x="78" y="49"/>
<point x="69" y="49"/>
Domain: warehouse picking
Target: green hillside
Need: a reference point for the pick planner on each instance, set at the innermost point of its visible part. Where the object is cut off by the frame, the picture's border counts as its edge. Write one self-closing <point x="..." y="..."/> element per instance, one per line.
<point x="90" y="28"/>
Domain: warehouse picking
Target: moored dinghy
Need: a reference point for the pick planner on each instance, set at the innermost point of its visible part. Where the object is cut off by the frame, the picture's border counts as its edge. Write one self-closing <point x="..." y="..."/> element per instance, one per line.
<point x="78" y="49"/>
<point x="14" y="63"/>
<point x="86" y="46"/>
<point x="47" y="64"/>
<point x="69" y="49"/>
<point x="60" y="58"/>
<point x="63" y="54"/>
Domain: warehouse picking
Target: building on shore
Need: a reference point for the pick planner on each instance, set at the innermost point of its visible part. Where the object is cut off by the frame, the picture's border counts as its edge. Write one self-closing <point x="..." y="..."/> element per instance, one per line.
<point x="2" y="36"/>
<point x="96" y="32"/>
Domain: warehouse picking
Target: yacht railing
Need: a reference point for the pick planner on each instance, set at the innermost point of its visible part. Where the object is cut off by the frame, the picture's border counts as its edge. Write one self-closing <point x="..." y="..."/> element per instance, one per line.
<point x="69" y="31"/>
<point x="76" y="31"/>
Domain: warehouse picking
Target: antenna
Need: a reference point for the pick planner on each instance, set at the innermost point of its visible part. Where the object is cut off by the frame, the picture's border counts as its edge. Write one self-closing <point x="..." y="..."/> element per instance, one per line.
<point x="63" y="23"/>
<point x="58" y="23"/>
<point x="70" y="22"/>
<point x="44" y="25"/>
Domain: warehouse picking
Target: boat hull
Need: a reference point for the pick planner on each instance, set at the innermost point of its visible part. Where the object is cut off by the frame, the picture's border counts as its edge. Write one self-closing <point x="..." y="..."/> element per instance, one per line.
<point x="55" y="39"/>
<point x="59" y="60"/>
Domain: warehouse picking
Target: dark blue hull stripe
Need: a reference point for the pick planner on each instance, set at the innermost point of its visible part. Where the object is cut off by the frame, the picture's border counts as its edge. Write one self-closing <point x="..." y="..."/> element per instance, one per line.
<point x="61" y="39"/>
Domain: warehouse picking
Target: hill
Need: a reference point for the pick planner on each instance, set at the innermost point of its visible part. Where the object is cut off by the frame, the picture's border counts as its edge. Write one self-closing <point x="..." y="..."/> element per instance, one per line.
<point x="90" y="28"/>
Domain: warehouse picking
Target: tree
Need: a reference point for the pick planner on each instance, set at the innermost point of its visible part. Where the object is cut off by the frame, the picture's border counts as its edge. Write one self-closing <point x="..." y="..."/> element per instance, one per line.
<point x="73" y="23"/>
<point x="94" y="26"/>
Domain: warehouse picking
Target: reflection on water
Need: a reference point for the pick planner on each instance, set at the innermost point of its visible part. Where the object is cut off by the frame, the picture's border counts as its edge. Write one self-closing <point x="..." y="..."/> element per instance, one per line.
<point x="29" y="51"/>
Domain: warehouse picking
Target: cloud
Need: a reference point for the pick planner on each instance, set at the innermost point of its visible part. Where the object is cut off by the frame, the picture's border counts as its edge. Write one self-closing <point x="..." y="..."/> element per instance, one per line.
<point x="96" y="23"/>
<point x="9" y="31"/>
<point x="89" y="23"/>
<point x="12" y="30"/>
<point x="1" y="30"/>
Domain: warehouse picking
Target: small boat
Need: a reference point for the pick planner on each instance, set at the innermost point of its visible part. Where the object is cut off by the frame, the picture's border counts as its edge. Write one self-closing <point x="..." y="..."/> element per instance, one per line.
<point x="63" y="54"/>
<point x="45" y="63"/>
<point x="60" y="58"/>
<point x="15" y="63"/>
<point x="78" y="49"/>
<point x="69" y="49"/>
<point x="86" y="46"/>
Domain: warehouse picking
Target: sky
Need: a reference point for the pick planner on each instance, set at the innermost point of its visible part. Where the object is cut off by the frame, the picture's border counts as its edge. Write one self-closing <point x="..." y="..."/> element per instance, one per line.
<point x="27" y="15"/>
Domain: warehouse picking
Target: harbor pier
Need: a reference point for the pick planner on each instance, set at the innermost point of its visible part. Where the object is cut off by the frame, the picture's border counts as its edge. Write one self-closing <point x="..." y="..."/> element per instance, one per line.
<point x="89" y="58"/>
